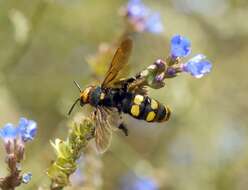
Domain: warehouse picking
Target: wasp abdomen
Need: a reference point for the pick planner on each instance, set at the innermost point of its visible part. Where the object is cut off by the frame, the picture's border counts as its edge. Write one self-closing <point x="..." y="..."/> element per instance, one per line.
<point x="138" y="106"/>
<point x="145" y="108"/>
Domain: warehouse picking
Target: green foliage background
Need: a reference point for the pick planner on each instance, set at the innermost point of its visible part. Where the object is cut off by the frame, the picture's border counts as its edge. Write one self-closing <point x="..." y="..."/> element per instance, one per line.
<point x="203" y="146"/>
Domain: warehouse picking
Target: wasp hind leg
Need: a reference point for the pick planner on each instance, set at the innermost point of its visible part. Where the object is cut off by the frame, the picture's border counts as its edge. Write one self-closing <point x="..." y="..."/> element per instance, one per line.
<point x="122" y="126"/>
<point x="119" y="124"/>
<point x="124" y="129"/>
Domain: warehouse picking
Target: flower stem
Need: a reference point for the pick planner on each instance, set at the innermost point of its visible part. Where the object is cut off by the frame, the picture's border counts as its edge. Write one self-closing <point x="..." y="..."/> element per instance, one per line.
<point x="13" y="179"/>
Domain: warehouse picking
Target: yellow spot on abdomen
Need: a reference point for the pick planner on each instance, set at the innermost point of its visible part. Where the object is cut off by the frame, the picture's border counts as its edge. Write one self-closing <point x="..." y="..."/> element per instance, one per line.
<point x="151" y="115"/>
<point x="135" y="110"/>
<point x="154" y="104"/>
<point x="168" y="113"/>
<point x="138" y="99"/>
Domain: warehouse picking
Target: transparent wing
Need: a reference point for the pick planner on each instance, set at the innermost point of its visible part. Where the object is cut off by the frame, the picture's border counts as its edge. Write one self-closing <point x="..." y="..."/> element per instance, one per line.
<point x="119" y="60"/>
<point x="113" y="118"/>
<point x="103" y="131"/>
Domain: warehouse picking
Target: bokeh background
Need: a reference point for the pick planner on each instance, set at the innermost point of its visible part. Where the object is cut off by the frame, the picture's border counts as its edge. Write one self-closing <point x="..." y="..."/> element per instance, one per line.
<point x="44" y="46"/>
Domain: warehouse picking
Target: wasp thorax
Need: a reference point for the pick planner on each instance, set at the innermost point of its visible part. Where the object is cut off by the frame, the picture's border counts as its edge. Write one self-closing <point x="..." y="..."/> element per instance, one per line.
<point x="84" y="95"/>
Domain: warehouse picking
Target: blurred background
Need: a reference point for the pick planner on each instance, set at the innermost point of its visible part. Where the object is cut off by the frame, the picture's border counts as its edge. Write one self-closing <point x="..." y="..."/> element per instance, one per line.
<point x="45" y="45"/>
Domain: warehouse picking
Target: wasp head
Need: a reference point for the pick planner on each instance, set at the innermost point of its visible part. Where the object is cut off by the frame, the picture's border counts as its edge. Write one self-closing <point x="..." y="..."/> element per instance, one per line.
<point x="84" y="95"/>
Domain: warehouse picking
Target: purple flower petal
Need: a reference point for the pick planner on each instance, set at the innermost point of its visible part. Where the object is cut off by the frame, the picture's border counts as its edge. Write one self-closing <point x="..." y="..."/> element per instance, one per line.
<point x="171" y="71"/>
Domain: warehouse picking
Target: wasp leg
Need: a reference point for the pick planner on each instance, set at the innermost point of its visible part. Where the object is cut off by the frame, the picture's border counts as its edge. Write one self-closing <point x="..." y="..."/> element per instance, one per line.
<point x="124" y="129"/>
<point x="122" y="126"/>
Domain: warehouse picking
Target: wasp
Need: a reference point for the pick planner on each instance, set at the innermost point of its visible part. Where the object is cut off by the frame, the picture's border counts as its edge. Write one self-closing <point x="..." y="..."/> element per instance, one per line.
<point x="111" y="100"/>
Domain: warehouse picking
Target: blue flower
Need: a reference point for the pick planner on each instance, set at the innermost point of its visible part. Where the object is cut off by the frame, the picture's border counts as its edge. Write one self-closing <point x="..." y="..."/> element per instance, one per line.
<point x="180" y="46"/>
<point x="26" y="177"/>
<point x="78" y="177"/>
<point x="27" y="129"/>
<point x="142" y="18"/>
<point x="133" y="182"/>
<point x="136" y="9"/>
<point x="198" y="66"/>
<point x="154" y="24"/>
<point x="8" y="132"/>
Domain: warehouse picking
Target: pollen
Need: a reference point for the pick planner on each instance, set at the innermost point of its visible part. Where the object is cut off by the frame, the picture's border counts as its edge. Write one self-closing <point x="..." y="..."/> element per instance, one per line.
<point x="135" y="110"/>
<point x="138" y="99"/>
<point x="151" y="115"/>
<point x="154" y="104"/>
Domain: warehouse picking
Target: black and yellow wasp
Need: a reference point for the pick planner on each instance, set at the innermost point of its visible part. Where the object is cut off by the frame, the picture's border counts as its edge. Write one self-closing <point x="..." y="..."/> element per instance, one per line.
<point x="115" y="97"/>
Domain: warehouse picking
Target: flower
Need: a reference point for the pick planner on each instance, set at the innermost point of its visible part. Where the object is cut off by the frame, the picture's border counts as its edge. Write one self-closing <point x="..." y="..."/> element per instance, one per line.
<point x="197" y="66"/>
<point x="14" y="138"/>
<point x="180" y="46"/>
<point x="160" y="65"/>
<point x="77" y="178"/>
<point x="8" y="132"/>
<point x="136" y="9"/>
<point x="26" y="177"/>
<point x="27" y="129"/>
<point x="134" y="182"/>
<point x="142" y="18"/>
<point x="154" y="24"/>
<point x="171" y="71"/>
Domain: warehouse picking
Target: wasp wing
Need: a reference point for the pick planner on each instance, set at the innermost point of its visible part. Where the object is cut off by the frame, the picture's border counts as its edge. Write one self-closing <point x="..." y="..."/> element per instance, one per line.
<point x="118" y="62"/>
<point x="114" y="117"/>
<point x="103" y="131"/>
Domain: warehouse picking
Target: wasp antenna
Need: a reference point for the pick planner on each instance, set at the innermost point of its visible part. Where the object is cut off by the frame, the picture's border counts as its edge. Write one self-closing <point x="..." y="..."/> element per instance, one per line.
<point x="73" y="105"/>
<point x="77" y="85"/>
